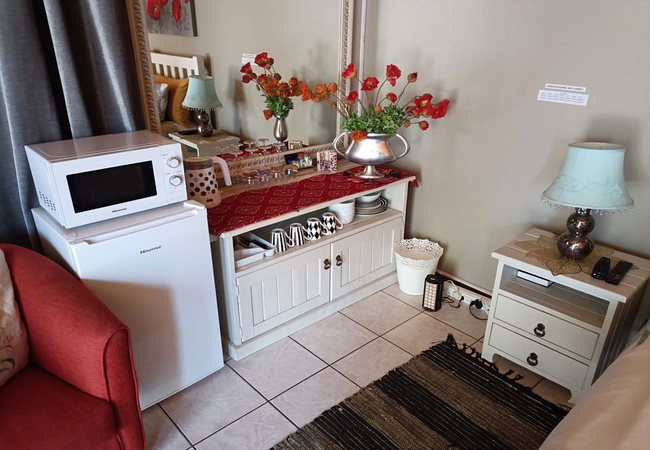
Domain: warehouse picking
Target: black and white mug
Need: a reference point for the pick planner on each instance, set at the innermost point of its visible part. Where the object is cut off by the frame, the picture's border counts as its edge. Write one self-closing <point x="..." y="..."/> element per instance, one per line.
<point x="297" y="234"/>
<point x="331" y="223"/>
<point x="314" y="229"/>
<point x="280" y="240"/>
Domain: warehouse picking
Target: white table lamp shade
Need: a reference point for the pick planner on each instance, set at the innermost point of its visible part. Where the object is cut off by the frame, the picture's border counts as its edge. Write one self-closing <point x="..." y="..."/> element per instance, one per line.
<point x="201" y="94"/>
<point x="591" y="178"/>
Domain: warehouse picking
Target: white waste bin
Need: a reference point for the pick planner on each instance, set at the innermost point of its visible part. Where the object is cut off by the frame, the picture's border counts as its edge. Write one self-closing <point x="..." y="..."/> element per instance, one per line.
<point x="416" y="258"/>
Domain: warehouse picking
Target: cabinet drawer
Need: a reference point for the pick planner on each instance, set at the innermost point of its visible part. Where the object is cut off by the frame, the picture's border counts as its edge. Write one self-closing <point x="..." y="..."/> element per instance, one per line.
<point x="549" y="361"/>
<point x="555" y="330"/>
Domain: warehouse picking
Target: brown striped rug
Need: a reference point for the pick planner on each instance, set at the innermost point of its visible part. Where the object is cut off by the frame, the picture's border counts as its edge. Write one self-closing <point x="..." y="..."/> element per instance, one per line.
<point x="446" y="397"/>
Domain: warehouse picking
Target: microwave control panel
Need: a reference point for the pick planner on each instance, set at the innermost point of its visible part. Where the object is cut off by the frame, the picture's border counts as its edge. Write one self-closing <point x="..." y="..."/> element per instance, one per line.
<point x="172" y="162"/>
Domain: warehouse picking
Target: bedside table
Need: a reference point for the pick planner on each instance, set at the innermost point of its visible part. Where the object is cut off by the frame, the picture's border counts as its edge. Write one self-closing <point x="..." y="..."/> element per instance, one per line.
<point x="215" y="145"/>
<point x="569" y="332"/>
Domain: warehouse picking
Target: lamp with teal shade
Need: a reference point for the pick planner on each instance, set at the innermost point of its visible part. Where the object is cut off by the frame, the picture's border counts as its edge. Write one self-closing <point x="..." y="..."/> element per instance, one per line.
<point x="591" y="180"/>
<point x="202" y="97"/>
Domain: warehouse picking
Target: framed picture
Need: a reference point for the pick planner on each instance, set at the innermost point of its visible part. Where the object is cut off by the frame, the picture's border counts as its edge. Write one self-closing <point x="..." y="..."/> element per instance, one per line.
<point x="171" y="17"/>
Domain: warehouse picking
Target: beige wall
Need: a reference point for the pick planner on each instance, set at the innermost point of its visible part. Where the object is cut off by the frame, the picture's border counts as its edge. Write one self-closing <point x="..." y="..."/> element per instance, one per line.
<point x="302" y="37"/>
<point x="484" y="166"/>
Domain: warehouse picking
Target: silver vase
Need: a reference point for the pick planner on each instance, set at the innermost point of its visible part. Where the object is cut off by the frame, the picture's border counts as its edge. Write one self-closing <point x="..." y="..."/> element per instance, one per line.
<point x="280" y="129"/>
<point x="373" y="150"/>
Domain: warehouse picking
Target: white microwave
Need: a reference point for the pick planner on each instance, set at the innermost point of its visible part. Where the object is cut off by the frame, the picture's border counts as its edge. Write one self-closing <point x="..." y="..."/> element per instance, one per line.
<point x="83" y="181"/>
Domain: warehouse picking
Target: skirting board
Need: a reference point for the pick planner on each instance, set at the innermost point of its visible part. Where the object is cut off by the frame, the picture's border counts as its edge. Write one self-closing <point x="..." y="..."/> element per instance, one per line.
<point x="249" y="347"/>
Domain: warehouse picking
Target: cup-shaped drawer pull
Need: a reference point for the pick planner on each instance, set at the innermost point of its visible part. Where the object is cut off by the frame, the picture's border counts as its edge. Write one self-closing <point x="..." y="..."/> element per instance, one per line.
<point x="327" y="264"/>
<point x="540" y="330"/>
<point x="532" y="359"/>
<point x="339" y="260"/>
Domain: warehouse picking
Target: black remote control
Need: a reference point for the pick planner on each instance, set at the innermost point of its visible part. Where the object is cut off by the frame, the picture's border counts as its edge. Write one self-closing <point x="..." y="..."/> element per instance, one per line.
<point x="601" y="268"/>
<point x="188" y="132"/>
<point x="618" y="272"/>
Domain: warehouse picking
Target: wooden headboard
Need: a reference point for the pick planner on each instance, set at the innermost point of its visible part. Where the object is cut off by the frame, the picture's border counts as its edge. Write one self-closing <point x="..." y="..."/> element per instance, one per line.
<point x="177" y="66"/>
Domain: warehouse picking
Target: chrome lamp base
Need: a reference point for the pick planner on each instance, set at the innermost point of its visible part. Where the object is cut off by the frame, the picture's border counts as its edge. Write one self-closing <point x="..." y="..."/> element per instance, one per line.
<point x="574" y="243"/>
<point x="204" y="127"/>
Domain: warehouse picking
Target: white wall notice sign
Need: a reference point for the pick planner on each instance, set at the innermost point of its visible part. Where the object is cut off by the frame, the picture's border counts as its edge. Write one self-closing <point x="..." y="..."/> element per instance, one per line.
<point x="564" y="87"/>
<point x="568" y="98"/>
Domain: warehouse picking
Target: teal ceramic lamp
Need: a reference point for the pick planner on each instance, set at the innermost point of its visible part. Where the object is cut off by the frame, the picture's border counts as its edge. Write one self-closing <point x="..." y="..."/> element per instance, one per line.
<point x="202" y="98"/>
<point x="591" y="180"/>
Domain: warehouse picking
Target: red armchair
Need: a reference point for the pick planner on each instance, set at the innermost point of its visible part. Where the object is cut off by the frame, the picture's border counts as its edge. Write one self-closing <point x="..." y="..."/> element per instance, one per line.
<point x="79" y="390"/>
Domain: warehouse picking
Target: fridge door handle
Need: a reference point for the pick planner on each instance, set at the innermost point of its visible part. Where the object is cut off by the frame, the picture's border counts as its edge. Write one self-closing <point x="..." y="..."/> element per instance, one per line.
<point x="132" y="229"/>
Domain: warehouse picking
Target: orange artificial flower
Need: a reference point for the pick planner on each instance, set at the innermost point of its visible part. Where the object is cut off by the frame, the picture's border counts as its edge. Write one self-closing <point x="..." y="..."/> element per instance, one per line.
<point x="369" y="84"/>
<point x="267" y="114"/>
<point x="392" y="74"/>
<point x="293" y="81"/>
<point x="391" y="97"/>
<point x="321" y="93"/>
<point x="332" y="88"/>
<point x="412" y="77"/>
<point x="306" y="93"/>
<point x="272" y="87"/>
<point x="358" y="135"/>
<point x="377" y="109"/>
<point x="333" y="105"/>
<point x="424" y="125"/>
<point x="349" y="72"/>
<point x="407" y="124"/>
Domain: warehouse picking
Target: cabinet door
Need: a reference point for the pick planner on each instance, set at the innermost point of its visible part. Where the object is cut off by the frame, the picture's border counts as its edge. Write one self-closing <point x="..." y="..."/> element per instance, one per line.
<point x="276" y="294"/>
<point x="364" y="257"/>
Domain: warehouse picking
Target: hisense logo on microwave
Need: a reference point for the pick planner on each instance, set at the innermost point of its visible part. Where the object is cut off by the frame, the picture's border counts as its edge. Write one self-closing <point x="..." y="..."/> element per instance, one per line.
<point x="118" y="210"/>
<point x="142" y="252"/>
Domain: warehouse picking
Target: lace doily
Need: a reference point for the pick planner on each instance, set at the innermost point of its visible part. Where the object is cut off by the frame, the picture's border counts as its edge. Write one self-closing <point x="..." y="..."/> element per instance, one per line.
<point x="545" y="250"/>
<point x="424" y="245"/>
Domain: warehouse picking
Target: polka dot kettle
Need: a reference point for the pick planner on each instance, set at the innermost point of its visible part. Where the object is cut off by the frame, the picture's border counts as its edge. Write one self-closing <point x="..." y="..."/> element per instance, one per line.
<point x="202" y="180"/>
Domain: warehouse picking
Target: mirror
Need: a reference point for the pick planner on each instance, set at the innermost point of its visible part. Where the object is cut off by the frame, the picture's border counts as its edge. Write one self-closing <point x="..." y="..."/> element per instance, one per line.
<point x="311" y="44"/>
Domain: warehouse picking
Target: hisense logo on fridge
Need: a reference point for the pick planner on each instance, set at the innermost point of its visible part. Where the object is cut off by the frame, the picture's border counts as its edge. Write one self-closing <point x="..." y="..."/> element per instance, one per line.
<point x="142" y="252"/>
<point x="118" y="210"/>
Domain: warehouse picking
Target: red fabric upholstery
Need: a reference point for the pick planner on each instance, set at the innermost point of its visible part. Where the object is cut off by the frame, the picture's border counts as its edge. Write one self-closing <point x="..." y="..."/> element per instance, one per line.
<point x="75" y="338"/>
<point x="39" y="411"/>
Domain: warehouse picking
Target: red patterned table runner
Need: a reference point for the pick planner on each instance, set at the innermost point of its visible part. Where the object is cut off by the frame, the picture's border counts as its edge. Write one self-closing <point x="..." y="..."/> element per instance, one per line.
<point x="266" y="203"/>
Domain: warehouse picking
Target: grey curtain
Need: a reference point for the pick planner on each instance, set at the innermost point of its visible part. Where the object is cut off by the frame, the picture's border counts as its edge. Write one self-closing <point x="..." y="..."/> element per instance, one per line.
<point x="67" y="70"/>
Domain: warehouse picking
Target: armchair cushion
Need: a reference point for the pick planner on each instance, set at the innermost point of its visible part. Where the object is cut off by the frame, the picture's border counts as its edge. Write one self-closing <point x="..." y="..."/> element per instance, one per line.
<point x="14" y="346"/>
<point x="39" y="411"/>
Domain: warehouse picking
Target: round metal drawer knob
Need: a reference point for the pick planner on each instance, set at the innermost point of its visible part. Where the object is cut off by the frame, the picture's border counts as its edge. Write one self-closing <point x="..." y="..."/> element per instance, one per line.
<point x="532" y="359"/>
<point x="540" y="330"/>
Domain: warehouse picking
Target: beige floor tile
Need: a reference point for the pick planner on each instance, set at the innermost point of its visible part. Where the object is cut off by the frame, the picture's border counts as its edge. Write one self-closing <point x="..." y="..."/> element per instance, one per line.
<point x="553" y="392"/>
<point x="422" y="332"/>
<point x="259" y="430"/>
<point x="371" y="362"/>
<point x="413" y="300"/>
<point x="305" y="402"/>
<point x="334" y="337"/>
<point x="379" y="312"/>
<point x="211" y="404"/>
<point x="461" y="319"/>
<point x="161" y="433"/>
<point x="529" y="379"/>
<point x="277" y="367"/>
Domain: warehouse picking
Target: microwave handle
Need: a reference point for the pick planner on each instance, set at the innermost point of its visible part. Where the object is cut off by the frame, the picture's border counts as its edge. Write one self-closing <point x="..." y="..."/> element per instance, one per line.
<point x="132" y="229"/>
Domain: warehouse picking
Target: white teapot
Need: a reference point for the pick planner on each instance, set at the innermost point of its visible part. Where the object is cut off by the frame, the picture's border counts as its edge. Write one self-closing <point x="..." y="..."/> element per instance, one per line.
<point x="201" y="179"/>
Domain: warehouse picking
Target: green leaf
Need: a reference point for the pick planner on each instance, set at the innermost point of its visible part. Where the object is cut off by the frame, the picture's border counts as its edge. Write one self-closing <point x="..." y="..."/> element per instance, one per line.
<point x="386" y="121"/>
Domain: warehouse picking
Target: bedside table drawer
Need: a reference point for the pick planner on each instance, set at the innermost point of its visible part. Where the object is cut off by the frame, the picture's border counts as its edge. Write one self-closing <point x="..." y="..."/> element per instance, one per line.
<point x="532" y="355"/>
<point x="546" y="327"/>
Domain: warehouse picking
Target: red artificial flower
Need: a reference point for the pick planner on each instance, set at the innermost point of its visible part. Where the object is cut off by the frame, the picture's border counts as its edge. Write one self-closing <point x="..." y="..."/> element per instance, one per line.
<point x="392" y="74"/>
<point x="391" y="97"/>
<point x="263" y="60"/>
<point x="412" y="77"/>
<point x="332" y="88"/>
<point x="422" y="102"/>
<point x="285" y="90"/>
<point x="186" y="1"/>
<point x="306" y="93"/>
<point x="351" y="98"/>
<point x="358" y="135"/>
<point x="164" y="2"/>
<point x="177" y="9"/>
<point x="349" y="72"/>
<point x="369" y="84"/>
<point x="246" y="78"/>
<point x="153" y="9"/>
<point x="424" y="125"/>
<point x="263" y="78"/>
<point x="267" y="114"/>
<point x="246" y="68"/>
<point x="439" y="110"/>
<point x="277" y="76"/>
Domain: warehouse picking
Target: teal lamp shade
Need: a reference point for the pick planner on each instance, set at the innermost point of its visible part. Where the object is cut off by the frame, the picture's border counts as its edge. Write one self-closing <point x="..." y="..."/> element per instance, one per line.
<point x="591" y="178"/>
<point x="200" y="94"/>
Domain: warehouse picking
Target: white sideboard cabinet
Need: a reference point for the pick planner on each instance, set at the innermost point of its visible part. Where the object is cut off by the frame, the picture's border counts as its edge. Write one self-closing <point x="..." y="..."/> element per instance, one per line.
<point x="270" y="299"/>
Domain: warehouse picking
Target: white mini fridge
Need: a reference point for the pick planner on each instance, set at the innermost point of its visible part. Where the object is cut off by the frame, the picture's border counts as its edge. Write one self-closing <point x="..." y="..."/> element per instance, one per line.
<point x="154" y="272"/>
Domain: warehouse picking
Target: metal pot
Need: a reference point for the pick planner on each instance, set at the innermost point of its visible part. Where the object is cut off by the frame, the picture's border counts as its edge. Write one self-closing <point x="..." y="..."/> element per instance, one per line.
<point x="373" y="150"/>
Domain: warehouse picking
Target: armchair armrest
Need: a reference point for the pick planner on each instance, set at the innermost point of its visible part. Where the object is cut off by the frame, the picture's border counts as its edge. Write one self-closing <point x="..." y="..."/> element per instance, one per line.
<point x="75" y="337"/>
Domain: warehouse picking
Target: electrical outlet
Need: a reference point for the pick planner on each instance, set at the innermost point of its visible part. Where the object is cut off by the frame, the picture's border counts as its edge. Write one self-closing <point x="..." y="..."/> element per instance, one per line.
<point x="468" y="296"/>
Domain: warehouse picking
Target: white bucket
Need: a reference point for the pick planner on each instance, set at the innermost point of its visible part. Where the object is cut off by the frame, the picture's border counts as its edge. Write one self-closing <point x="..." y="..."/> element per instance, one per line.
<point x="416" y="258"/>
